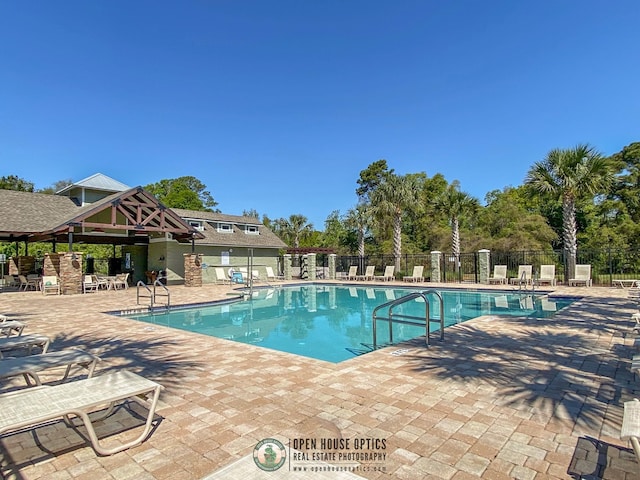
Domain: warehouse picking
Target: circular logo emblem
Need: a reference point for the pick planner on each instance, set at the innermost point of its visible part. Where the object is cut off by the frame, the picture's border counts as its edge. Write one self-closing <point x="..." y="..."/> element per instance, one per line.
<point x="269" y="454"/>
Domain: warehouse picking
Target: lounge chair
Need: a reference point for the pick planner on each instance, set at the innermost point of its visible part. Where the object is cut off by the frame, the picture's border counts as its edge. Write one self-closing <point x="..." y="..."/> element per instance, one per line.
<point x="272" y="276"/>
<point x="353" y="272"/>
<point x="30" y="365"/>
<point x="524" y="275"/>
<point x="416" y="276"/>
<point x="547" y="275"/>
<point x="388" y="275"/>
<point x="499" y="274"/>
<point x="24" y="341"/>
<point x="121" y="281"/>
<point x="369" y="272"/>
<point x="50" y="285"/>
<point x="11" y="327"/>
<point x="221" y="276"/>
<point x="255" y="275"/>
<point x="90" y="284"/>
<point x="582" y="276"/>
<point x="630" y="431"/>
<point x="34" y="406"/>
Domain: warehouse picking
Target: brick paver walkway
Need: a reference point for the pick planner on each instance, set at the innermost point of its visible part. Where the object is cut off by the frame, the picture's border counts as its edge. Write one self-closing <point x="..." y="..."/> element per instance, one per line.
<point x="500" y="398"/>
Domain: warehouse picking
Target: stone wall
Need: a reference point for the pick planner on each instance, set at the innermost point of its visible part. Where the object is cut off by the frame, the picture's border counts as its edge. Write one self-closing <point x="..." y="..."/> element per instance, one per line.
<point x="51" y="264"/>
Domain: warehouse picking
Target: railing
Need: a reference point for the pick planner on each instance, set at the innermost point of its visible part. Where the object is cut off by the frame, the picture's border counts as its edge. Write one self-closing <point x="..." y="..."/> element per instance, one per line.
<point x="152" y="294"/>
<point x="409" y="319"/>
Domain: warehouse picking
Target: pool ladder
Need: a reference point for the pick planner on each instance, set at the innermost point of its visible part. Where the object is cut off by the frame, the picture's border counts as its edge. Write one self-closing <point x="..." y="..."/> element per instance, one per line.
<point x="152" y="294"/>
<point x="409" y="319"/>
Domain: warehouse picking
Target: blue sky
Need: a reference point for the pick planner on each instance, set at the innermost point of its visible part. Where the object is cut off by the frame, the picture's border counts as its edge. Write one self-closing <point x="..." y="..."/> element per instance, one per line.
<point x="278" y="105"/>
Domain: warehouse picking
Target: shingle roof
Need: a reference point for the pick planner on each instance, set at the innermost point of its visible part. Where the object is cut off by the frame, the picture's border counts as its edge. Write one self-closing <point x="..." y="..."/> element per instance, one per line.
<point x="237" y="238"/>
<point x="98" y="181"/>
<point x="33" y="212"/>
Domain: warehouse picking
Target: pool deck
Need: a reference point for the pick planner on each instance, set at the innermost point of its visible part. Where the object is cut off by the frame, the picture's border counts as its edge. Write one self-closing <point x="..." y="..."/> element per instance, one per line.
<point x="500" y="398"/>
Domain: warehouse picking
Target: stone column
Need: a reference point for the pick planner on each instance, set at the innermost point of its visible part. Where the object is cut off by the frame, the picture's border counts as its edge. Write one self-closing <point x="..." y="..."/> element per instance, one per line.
<point x="484" y="260"/>
<point x="286" y="260"/>
<point x="70" y="265"/>
<point x="311" y="264"/>
<point x="436" y="258"/>
<point x="51" y="264"/>
<point x="13" y="266"/>
<point x="192" y="270"/>
<point x="332" y="266"/>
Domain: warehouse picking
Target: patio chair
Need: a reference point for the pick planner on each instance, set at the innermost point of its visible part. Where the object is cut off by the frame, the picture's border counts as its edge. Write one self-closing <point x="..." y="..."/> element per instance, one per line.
<point x="272" y="276"/>
<point x="353" y="272"/>
<point x="388" y="275"/>
<point x="416" y="276"/>
<point x="24" y="341"/>
<point x="630" y="431"/>
<point x="499" y="274"/>
<point x="582" y="276"/>
<point x="35" y="406"/>
<point x="50" y="285"/>
<point x="121" y="281"/>
<point x="30" y="365"/>
<point x="547" y="275"/>
<point x="27" y="283"/>
<point x="221" y="276"/>
<point x="89" y="284"/>
<point x="524" y="275"/>
<point x="368" y="273"/>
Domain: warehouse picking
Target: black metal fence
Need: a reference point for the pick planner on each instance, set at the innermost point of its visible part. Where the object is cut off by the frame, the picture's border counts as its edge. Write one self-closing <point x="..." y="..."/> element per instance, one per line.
<point x="607" y="265"/>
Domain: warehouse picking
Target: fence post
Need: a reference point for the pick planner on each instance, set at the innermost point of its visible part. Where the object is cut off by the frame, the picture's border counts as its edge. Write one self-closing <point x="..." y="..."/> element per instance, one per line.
<point x="435" y="266"/>
<point x="332" y="266"/>
<point x="484" y="261"/>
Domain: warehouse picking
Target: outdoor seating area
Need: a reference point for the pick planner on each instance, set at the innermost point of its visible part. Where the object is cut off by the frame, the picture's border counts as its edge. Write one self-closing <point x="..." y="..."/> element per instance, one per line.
<point x="26" y="406"/>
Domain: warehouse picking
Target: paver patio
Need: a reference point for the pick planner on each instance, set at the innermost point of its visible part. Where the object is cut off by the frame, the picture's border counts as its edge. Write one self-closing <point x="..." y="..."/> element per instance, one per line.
<point x="499" y="398"/>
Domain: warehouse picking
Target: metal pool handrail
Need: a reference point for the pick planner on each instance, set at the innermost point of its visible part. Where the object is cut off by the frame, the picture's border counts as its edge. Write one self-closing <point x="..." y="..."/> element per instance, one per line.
<point x="409" y="319"/>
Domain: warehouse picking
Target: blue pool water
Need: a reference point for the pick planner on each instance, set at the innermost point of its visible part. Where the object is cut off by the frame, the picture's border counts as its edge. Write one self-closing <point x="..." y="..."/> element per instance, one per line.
<point x="334" y="323"/>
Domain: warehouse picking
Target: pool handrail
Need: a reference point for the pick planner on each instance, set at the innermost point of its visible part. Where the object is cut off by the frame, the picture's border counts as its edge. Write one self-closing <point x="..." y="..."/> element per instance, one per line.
<point x="409" y="319"/>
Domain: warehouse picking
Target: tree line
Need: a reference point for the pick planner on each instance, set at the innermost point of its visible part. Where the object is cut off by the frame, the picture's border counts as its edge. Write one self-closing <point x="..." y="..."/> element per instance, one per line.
<point x="573" y="197"/>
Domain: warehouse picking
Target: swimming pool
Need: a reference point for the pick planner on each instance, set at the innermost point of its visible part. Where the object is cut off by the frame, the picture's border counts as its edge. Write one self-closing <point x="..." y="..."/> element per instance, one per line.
<point x="333" y="322"/>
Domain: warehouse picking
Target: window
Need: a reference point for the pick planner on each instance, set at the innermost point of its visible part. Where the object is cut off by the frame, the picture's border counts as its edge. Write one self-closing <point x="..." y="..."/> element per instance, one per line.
<point x="197" y="224"/>
<point x="251" y="230"/>
<point x="225" y="227"/>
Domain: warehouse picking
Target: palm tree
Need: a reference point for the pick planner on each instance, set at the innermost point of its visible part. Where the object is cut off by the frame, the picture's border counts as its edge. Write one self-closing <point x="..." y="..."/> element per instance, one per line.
<point x="394" y="196"/>
<point x="360" y="219"/>
<point x="568" y="175"/>
<point x="294" y="228"/>
<point x="455" y="204"/>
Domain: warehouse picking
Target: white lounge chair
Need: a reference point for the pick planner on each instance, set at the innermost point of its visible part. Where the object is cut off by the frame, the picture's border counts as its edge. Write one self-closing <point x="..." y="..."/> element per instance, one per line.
<point x="221" y="276"/>
<point x="121" y="281"/>
<point x="582" y="276"/>
<point x="272" y="276"/>
<point x="353" y="272"/>
<point x="24" y="341"/>
<point x="30" y="365"/>
<point x="11" y="327"/>
<point x="388" y="275"/>
<point x="416" y="276"/>
<point x="524" y="275"/>
<point x="499" y="274"/>
<point x="368" y="273"/>
<point x="630" y="431"/>
<point x="34" y="406"/>
<point x="547" y="275"/>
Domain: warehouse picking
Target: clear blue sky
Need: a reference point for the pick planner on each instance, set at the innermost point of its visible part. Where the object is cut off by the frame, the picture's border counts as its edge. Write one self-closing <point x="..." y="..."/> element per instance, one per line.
<point x="278" y="105"/>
